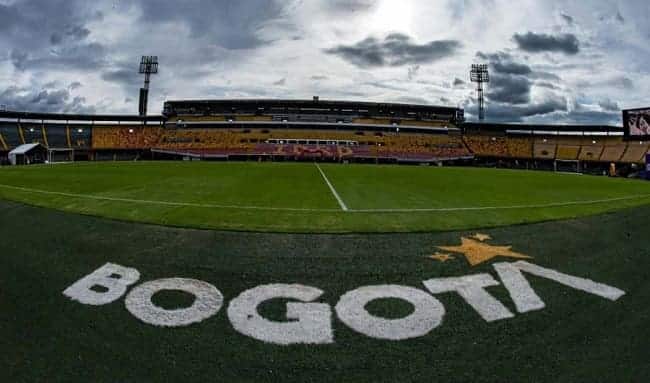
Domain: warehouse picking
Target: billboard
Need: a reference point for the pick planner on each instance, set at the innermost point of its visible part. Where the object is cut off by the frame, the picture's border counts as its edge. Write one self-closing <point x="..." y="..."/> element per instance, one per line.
<point x="637" y="123"/>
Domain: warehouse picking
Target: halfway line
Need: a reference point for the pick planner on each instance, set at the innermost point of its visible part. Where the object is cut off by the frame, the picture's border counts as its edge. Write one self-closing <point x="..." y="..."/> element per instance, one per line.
<point x="336" y="195"/>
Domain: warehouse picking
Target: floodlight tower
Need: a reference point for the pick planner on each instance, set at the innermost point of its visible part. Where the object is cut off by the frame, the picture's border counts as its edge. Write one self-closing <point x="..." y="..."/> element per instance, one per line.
<point x="148" y="66"/>
<point x="479" y="74"/>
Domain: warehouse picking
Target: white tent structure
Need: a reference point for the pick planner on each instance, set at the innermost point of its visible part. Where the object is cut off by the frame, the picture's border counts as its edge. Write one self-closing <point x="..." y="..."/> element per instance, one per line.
<point x="27" y="154"/>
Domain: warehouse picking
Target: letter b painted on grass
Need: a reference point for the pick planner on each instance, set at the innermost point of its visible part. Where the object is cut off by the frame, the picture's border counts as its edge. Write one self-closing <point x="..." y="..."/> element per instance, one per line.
<point x="104" y="285"/>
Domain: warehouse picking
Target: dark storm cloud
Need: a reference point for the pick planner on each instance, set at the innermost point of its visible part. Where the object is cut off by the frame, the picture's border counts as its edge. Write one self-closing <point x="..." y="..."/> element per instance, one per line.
<point x="511" y="68"/>
<point x="505" y="112"/>
<point x="19" y="58"/>
<point x="74" y="33"/>
<point x="620" y="17"/>
<point x="125" y="75"/>
<point x="568" y="19"/>
<point x="228" y="24"/>
<point x="44" y="100"/>
<point x="50" y="34"/>
<point x="347" y="6"/>
<point x="509" y="89"/>
<point x="510" y="82"/>
<point x="395" y="50"/>
<point x="412" y="72"/>
<point x="540" y="42"/>
<point x="609" y="105"/>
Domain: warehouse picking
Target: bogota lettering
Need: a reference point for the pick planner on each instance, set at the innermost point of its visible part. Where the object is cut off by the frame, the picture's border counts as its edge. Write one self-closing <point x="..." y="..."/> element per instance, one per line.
<point x="309" y="321"/>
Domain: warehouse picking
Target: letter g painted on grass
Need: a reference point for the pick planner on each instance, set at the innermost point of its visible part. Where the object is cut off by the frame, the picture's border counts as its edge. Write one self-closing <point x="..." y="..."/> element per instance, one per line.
<point x="111" y="277"/>
<point x="312" y="324"/>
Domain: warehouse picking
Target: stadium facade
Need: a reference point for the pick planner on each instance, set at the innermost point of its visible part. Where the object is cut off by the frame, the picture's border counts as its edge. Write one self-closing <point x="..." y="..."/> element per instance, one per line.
<point x="319" y="129"/>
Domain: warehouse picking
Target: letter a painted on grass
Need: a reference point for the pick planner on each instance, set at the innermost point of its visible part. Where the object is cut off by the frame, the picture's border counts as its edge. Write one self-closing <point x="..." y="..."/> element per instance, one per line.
<point x="586" y="285"/>
<point x="112" y="278"/>
<point x="524" y="297"/>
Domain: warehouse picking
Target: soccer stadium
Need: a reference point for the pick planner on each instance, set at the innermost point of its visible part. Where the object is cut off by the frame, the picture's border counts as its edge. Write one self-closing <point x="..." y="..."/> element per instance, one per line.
<point x="282" y="239"/>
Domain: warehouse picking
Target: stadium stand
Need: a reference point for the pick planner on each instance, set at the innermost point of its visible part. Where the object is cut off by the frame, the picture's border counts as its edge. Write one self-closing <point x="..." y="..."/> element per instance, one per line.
<point x="565" y="152"/>
<point x="32" y="133"/>
<point x="590" y="153"/>
<point x="488" y="146"/>
<point x="413" y="146"/>
<point x="276" y="141"/>
<point x="635" y="152"/>
<point x="519" y="147"/>
<point x="307" y="129"/>
<point x="125" y="137"/>
<point x="80" y="136"/>
<point x="544" y="151"/>
<point x="10" y="135"/>
<point x="613" y="153"/>
<point x="57" y="136"/>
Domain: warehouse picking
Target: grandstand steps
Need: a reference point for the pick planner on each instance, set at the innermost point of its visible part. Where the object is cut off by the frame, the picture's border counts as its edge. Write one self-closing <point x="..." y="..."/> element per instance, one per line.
<point x="3" y="142"/>
<point x="21" y="134"/>
<point x="590" y="153"/>
<point x="567" y="152"/>
<point x="45" y="142"/>
<point x="613" y="153"/>
<point x="635" y="153"/>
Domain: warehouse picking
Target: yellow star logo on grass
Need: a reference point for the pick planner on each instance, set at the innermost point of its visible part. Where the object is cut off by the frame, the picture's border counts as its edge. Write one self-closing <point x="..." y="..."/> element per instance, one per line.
<point x="478" y="252"/>
<point x="481" y="237"/>
<point x="441" y="257"/>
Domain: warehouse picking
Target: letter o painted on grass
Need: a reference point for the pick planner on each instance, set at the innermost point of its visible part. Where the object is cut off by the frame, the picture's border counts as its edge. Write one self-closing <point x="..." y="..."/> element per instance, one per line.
<point x="208" y="301"/>
<point x="427" y="315"/>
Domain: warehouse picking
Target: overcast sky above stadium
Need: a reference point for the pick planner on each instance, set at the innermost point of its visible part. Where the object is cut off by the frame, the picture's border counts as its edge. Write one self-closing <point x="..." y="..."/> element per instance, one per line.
<point x="550" y="61"/>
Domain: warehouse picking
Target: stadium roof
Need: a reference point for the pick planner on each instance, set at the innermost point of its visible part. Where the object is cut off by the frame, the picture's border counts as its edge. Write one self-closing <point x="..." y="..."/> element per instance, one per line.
<point x="308" y="106"/>
<point x="503" y="127"/>
<point x="24" y="148"/>
<point x="310" y="103"/>
<point x="77" y="117"/>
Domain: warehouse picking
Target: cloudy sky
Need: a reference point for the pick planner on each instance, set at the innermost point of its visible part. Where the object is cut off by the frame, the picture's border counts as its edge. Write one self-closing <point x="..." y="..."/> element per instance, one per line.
<point x="550" y="60"/>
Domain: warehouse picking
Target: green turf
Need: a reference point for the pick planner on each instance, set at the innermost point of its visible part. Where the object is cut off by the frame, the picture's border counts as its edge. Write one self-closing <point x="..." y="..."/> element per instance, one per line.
<point x="577" y="338"/>
<point x="293" y="197"/>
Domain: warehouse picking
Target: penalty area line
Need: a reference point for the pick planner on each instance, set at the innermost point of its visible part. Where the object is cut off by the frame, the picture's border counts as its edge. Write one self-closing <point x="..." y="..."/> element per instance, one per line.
<point x="329" y="184"/>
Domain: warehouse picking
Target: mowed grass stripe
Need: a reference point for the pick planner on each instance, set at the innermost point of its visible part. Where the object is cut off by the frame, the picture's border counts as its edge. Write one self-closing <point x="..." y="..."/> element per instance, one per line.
<point x="413" y="188"/>
<point x="164" y="203"/>
<point x="214" y="206"/>
<point x="220" y="184"/>
<point x="578" y="337"/>
<point x="292" y="197"/>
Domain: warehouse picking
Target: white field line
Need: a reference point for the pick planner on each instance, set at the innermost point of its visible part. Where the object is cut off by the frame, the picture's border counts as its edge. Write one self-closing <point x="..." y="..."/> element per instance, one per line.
<point x="265" y="208"/>
<point x="480" y="208"/>
<point x="163" y="203"/>
<point x="336" y="195"/>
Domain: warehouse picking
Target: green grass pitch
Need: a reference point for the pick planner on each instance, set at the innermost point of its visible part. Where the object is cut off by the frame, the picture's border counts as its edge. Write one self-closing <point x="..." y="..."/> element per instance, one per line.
<point x="295" y="197"/>
<point x="577" y="337"/>
<point x="598" y="232"/>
